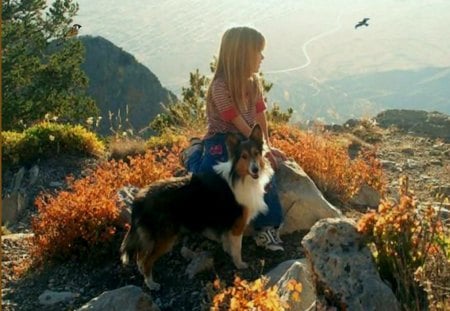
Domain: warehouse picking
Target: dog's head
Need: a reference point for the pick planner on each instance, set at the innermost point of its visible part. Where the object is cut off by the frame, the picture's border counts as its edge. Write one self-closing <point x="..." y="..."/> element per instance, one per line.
<point x="246" y="155"/>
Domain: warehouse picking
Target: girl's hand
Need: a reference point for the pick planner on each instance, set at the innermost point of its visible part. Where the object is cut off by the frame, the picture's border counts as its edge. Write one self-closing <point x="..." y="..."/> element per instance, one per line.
<point x="274" y="155"/>
<point x="278" y="153"/>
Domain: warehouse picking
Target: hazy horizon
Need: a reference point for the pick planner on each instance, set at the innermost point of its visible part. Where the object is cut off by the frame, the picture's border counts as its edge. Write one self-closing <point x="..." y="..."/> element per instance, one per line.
<point x="308" y="42"/>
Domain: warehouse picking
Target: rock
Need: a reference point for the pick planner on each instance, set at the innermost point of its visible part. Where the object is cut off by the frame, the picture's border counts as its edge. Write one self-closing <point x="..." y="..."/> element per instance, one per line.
<point x="12" y="206"/>
<point x="17" y="180"/>
<point x="407" y="151"/>
<point x="200" y="261"/>
<point x="387" y="164"/>
<point x="299" y="270"/>
<point x="56" y="184"/>
<point x="343" y="267"/>
<point x="431" y="124"/>
<point x="443" y="190"/>
<point x="34" y="174"/>
<point x="412" y="164"/>
<point x="49" y="297"/>
<point x="127" y="298"/>
<point x="17" y="236"/>
<point x="366" y="196"/>
<point x="303" y="203"/>
<point x="437" y="162"/>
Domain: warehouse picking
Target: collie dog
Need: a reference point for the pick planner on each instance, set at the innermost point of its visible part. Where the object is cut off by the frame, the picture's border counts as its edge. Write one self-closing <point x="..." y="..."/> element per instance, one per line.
<point x="218" y="204"/>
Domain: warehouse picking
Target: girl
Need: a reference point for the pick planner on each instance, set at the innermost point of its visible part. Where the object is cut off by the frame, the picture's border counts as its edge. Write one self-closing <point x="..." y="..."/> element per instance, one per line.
<point x="235" y="104"/>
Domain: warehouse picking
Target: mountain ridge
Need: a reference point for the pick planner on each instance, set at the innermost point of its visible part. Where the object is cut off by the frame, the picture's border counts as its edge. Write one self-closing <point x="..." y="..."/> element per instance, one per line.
<point x="127" y="93"/>
<point x="356" y="96"/>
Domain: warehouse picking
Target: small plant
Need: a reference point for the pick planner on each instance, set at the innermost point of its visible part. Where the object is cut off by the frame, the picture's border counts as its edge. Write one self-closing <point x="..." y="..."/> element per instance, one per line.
<point x="48" y="139"/>
<point x="188" y="113"/>
<point x="276" y="115"/>
<point x="367" y="130"/>
<point x="408" y="242"/>
<point x="122" y="148"/>
<point x="244" y="295"/>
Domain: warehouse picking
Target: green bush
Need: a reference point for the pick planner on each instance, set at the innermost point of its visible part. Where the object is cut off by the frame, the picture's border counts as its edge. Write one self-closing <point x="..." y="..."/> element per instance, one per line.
<point x="11" y="143"/>
<point x="47" y="139"/>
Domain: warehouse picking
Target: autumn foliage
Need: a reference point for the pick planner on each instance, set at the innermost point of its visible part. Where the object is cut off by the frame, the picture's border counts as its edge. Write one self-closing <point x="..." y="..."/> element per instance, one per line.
<point x="87" y="214"/>
<point x="328" y="163"/>
<point x="408" y="241"/>
<point x="245" y="295"/>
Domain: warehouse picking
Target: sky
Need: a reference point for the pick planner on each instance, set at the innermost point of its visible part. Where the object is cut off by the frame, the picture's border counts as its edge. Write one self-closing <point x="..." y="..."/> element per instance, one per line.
<point x="307" y="41"/>
<point x="175" y="37"/>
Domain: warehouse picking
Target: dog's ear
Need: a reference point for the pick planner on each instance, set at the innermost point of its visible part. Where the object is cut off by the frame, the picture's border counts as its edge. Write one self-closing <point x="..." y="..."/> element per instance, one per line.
<point x="257" y="134"/>
<point x="232" y="143"/>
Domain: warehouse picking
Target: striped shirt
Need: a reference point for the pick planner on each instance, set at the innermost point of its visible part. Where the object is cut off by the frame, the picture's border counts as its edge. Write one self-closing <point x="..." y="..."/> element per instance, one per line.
<point x="220" y="110"/>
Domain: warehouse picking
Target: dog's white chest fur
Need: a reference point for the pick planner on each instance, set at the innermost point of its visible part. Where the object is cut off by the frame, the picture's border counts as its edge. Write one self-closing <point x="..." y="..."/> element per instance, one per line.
<point x="248" y="192"/>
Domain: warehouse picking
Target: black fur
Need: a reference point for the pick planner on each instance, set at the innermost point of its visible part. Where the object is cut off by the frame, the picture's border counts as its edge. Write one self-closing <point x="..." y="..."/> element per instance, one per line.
<point x="203" y="201"/>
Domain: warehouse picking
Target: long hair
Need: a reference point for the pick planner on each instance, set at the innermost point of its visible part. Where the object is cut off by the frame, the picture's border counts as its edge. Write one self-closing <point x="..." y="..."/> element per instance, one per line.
<point x="237" y="56"/>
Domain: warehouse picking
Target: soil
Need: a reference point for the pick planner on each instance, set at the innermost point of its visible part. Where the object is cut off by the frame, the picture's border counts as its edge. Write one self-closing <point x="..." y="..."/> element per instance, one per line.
<point x="426" y="161"/>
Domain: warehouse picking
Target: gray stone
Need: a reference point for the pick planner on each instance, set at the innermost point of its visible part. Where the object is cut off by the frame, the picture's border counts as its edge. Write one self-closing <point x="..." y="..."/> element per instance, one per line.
<point x="366" y="196"/>
<point x="127" y="298"/>
<point x="12" y="206"/>
<point x="34" y="174"/>
<point x="387" y="164"/>
<point x="200" y="261"/>
<point x="303" y="203"/>
<point x="49" y="297"/>
<point x="299" y="270"/>
<point x="343" y="267"/>
<point x="17" y="180"/>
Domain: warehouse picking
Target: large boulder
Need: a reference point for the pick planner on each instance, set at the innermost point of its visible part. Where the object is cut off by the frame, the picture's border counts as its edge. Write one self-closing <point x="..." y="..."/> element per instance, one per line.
<point x="303" y="203"/>
<point x="299" y="270"/>
<point x="343" y="268"/>
<point x="15" y="200"/>
<point x="128" y="298"/>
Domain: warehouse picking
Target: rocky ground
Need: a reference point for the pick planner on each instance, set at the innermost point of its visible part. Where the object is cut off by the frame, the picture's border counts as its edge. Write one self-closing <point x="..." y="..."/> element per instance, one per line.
<point x="426" y="161"/>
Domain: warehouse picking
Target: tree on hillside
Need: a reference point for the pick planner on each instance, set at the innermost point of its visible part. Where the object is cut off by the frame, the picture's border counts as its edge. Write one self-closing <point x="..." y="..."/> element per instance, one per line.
<point x="189" y="112"/>
<point x="41" y="71"/>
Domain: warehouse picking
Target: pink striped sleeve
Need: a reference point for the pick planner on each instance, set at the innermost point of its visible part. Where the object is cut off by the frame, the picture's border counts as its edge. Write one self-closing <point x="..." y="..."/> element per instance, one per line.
<point x="260" y="105"/>
<point x="223" y="102"/>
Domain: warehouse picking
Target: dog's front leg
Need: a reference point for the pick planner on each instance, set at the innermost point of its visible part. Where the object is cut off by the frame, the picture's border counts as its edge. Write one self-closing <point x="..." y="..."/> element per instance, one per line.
<point x="235" y="248"/>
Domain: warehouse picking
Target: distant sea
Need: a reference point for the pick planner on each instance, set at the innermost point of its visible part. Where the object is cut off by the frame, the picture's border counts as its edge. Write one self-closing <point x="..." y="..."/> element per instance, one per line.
<point x="309" y="43"/>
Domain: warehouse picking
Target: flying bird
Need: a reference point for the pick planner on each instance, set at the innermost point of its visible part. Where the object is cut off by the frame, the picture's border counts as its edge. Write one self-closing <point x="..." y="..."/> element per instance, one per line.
<point x="362" y="23"/>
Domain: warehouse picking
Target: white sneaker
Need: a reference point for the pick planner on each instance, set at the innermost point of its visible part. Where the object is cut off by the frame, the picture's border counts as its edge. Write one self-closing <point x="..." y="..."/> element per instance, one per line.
<point x="269" y="239"/>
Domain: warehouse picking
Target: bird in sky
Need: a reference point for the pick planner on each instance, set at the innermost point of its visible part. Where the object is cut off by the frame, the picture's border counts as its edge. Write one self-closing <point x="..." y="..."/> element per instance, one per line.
<point x="362" y="23"/>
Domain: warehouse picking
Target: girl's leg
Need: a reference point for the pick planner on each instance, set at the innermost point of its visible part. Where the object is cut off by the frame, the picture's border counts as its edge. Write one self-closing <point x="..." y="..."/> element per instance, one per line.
<point x="267" y="225"/>
<point x="215" y="151"/>
<point x="274" y="217"/>
<point x="191" y="157"/>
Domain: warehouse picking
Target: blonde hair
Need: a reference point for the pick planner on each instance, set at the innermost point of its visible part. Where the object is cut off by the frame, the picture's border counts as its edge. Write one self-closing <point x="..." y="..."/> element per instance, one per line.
<point x="237" y="56"/>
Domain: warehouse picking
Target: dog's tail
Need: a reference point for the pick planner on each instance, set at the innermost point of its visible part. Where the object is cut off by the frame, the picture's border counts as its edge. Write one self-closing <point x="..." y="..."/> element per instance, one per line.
<point x="126" y="248"/>
<point x="136" y="240"/>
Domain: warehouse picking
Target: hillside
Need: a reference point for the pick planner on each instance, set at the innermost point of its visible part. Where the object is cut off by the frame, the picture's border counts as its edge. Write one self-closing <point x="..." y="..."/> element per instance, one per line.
<point x="425" y="160"/>
<point x="364" y="95"/>
<point x="117" y="81"/>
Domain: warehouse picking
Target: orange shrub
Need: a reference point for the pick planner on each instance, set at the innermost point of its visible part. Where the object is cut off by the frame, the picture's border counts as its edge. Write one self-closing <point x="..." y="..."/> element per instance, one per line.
<point x="327" y="162"/>
<point x="244" y="295"/>
<point x="86" y="214"/>
<point x="405" y="239"/>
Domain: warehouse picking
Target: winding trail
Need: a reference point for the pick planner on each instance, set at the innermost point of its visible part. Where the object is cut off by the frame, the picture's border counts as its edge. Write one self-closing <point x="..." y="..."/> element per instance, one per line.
<point x="305" y="45"/>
